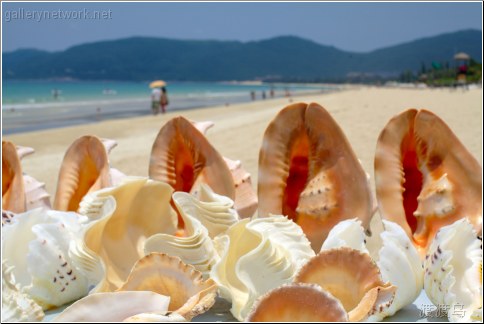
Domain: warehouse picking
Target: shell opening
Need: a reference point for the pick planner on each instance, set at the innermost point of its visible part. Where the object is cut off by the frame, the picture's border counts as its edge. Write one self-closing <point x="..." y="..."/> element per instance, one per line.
<point x="298" y="175"/>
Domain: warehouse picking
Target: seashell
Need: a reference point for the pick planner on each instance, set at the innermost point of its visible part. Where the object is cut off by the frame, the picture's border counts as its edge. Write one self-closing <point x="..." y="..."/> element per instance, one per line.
<point x="85" y="169"/>
<point x="353" y="278"/>
<point x="36" y="245"/>
<point x="7" y="217"/>
<point x="298" y="303"/>
<point x="190" y="295"/>
<point x="13" y="190"/>
<point x="308" y="171"/>
<point x="195" y="247"/>
<point x="116" y="175"/>
<point x="182" y="157"/>
<point x="204" y="126"/>
<point x="123" y="218"/>
<point x="425" y="178"/>
<point x="116" y="306"/>
<point x="453" y="272"/>
<point x="245" y="196"/>
<point x="16" y="305"/>
<point x="257" y="256"/>
<point x="393" y="252"/>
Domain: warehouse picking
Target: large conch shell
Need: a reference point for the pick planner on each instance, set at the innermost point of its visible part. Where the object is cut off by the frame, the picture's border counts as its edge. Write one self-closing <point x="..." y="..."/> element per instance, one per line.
<point x="189" y="294"/>
<point x="123" y="218"/>
<point x="396" y="257"/>
<point x="425" y="178"/>
<point x="453" y="272"/>
<point x="114" y="306"/>
<point x="308" y="172"/>
<point x="182" y="157"/>
<point x="353" y="278"/>
<point x="16" y="305"/>
<point x="195" y="247"/>
<point x="298" y="303"/>
<point x="36" y="244"/>
<point x="13" y="191"/>
<point x="257" y="256"/>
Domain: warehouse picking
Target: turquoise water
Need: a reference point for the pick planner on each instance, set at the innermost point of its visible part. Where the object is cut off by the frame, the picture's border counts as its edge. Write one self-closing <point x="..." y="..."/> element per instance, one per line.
<point x="38" y="93"/>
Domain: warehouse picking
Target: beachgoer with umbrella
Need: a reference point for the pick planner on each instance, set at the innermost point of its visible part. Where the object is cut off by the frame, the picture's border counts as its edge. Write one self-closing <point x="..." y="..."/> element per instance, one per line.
<point x="159" y="98"/>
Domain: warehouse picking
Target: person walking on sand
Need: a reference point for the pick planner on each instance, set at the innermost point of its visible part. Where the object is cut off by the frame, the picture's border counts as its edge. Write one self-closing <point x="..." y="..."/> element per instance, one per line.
<point x="155" y="100"/>
<point x="163" y="100"/>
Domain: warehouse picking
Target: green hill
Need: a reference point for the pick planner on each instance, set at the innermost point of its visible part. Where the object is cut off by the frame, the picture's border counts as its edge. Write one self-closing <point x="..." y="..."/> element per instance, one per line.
<point x="280" y="58"/>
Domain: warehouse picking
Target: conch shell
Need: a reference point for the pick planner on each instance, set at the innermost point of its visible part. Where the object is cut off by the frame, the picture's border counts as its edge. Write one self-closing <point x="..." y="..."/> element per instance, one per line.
<point x="425" y="178"/>
<point x="123" y="218"/>
<point x="257" y="256"/>
<point x="189" y="294"/>
<point x="36" y="244"/>
<point x="353" y="278"/>
<point x="13" y="191"/>
<point x="308" y="172"/>
<point x="453" y="272"/>
<point x="393" y="252"/>
<point x="298" y="303"/>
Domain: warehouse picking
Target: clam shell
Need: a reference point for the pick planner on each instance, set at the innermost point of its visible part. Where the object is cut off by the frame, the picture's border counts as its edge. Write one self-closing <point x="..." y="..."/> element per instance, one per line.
<point x="16" y="305"/>
<point x="298" y="303"/>
<point x="190" y="295"/>
<point x="13" y="190"/>
<point x="425" y="177"/>
<point x="308" y="171"/>
<point x="123" y="218"/>
<point x="453" y="271"/>
<point x="353" y="278"/>
<point x="113" y="306"/>
<point x="36" y="245"/>
<point x="257" y="256"/>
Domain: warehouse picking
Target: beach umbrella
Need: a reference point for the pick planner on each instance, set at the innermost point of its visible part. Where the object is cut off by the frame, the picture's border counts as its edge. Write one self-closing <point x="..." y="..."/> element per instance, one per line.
<point x="462" y="56"/>
<point x="157" y="84"/>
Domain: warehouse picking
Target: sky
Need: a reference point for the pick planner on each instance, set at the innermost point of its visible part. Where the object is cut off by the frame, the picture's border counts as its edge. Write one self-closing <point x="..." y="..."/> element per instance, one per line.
<point x="357" y="27"/>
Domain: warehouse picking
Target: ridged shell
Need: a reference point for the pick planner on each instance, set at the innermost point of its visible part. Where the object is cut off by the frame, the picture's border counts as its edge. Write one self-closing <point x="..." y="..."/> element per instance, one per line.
<point x="309" y="172"/>
<point x="123" y="218"/>
<point x="298" y="303"/>
<point x="425" y="177"/>
<point x="16" y="305"/>
<point x="113" y="306"/>
<point x="393" y="252"/>
<point x="13" y="190"/>
<point x="257" y="256"/>
<point x="353" y="278"/>
<point x="453" y="272"/>
<point x="189" y="294"/>
<point x="245" y="196"/>
<point x="36" y="245"/>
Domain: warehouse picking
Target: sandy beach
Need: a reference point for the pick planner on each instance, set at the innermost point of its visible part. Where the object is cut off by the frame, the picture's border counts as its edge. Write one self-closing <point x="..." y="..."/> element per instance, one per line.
<point x="361" y="112"/>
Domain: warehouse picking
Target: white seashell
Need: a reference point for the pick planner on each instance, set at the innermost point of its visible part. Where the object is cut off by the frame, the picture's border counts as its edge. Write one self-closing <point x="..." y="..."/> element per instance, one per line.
<point x="114" y="306"/>
<point x="396" y="257"/>
<point x="196" y="247"/>
<point x="35" y="193"/>
<point x="17" y="306"/>
<point x="257" y="256"/>
<point x="116" y="175"/>
<point x="36" y="245"/>
<point x="453" y="272"/>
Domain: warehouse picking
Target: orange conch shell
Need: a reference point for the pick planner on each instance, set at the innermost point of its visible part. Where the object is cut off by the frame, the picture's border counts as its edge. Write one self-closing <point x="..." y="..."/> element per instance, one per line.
<point x="85" y="169"/>
<point x="425" y="178"/>
<point x="308" y="171"/>
<point x="13" y="190"/>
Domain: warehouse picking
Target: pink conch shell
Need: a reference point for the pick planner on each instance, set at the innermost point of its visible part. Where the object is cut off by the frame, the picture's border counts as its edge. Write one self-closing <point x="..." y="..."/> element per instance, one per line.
<point x="425" y="178"/>
<point x="309" y="172"/>
<point x="13" y="190"/>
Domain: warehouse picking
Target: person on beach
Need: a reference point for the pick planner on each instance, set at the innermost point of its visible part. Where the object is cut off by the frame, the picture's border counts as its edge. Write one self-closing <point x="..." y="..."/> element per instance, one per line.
<point x="155" y="100"/>
<point x="252" y="95"/>
<point x="271" y="93"/>
<point x="163" y="100"/>
<point x="263" y="95"/>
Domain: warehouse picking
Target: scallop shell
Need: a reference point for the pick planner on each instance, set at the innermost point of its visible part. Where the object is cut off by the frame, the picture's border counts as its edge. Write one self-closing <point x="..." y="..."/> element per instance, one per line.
<point x="36" y="245"/>
<point x="425" y="177"/>
<point x="245" y="196"/>
<point x="13" y="190"/>
<point x="182" y="157"/>
<point x="353" y="278"/>
<point x="116" y="306"/>
<point x="195" y="247"/>
<point x="393" y="252"/>
<point x="308" y="171"/>
<point x="16" y="305"/>
<point x="257" y="256"/>
<point x="123" y="218"/>
<point x="453" y="272"/>
<point x="190" y="295"/>
<point x="298" y="303"/>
